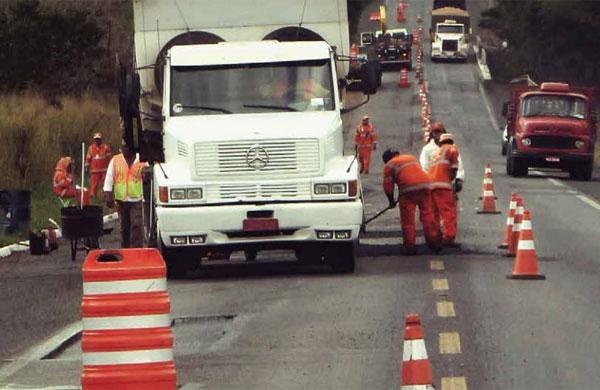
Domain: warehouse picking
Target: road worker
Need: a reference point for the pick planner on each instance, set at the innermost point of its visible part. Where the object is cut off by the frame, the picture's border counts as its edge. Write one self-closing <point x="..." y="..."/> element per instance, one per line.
<point x="442" y="171"/>
<point x="123" y="185"/>
<point x="365" y="141"/>
<point x="96" y="162"/>
<point x="413" y="190"/>
<point x="63" y="182"/>
<point x="437" y="129"/>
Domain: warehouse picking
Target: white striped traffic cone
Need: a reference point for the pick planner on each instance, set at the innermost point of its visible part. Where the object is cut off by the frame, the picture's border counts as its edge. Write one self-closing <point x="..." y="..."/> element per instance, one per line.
<point x="512" y="208"/>
<point x="514" y="239"/>
<point x="127" y="341"/>
<point x="525" y="266"/>
<point x="416" y="369"/>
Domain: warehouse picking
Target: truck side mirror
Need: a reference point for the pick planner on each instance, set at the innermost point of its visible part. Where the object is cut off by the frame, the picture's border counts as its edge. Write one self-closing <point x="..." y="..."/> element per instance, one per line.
<point x="369" y="77"/>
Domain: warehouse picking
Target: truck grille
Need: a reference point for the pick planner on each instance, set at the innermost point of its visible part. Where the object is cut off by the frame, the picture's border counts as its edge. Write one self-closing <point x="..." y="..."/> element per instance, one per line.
<point x="259" y="191"/>
<point x="552" y="142"/>
<point x="450" y="45"/>
<point x="295" y="157"/>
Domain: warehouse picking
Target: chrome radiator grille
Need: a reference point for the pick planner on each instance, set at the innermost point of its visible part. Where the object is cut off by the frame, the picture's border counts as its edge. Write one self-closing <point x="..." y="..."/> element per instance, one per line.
<point x="236" y="158"/>
<point x="258" y="191"/>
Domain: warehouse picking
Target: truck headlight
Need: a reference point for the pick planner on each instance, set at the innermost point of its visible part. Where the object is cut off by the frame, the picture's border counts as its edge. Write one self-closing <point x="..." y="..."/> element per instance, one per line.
<point x="322" y="189"/>
<point x="579" y="144"/>
<point x="194" y="193"/>
<point x="177" y="194"/>
<point x="338" y="188"/>
<point x="526" y="141"/>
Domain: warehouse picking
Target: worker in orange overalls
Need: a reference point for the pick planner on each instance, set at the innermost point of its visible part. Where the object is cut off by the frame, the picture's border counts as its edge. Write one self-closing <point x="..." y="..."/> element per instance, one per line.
<point x="413" y="190"/>
<point x="365" y="141"/>
<point x="63" y="182"/>
<point x="96" y="162"/>
<point x="442" y="170"/>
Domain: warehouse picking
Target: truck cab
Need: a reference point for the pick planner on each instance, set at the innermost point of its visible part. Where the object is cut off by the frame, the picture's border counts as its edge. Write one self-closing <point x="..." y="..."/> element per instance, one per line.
<point x="551" y="126"/>
<point x="449" y="41"/>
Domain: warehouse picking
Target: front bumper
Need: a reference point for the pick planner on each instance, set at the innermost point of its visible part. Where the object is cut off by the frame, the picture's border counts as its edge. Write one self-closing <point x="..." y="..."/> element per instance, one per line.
<point x="450" y="55"/>
<point x="223" y="225"/>
<point x="548" y="159"/>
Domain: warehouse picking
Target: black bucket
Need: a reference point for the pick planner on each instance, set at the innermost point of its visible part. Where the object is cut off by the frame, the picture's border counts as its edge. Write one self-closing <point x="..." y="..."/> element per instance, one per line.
<point x="82" y="222"/>
<point x="38" y="243"/>
<point x="15" y="211"/>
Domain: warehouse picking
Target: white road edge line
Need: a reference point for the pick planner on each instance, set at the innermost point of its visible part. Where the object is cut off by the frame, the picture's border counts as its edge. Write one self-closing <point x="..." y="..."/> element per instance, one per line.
<point x="589" y="201"/>
<point x="488" y="107"/>
<point x="557" y="183"/>
<point x="39" y="351"/>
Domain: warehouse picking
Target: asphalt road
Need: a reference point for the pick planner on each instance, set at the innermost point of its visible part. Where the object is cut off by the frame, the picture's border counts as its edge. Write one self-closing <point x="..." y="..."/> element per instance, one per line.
<point x="275" y="325"/>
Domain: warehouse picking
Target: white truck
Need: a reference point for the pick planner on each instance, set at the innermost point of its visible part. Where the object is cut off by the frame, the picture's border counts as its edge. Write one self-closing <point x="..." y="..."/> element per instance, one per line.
<point x="450" y="31"/>
<point x="237" y="104"/>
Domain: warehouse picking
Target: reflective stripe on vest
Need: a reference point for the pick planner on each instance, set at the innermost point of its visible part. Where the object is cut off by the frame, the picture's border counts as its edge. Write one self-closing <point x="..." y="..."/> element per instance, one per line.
<point x="127" y="180"/>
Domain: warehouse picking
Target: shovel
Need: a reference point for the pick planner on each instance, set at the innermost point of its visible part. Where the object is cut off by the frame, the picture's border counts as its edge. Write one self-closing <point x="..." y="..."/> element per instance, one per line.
<point x="380" y="213"/>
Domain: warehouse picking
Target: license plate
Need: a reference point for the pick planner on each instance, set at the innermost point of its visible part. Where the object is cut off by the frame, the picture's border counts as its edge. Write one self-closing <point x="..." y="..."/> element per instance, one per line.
<point x="552" y="159"/>
<point x="261" y="224"/>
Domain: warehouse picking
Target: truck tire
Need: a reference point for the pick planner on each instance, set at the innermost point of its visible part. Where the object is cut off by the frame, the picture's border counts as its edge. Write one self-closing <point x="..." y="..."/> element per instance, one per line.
<point x="504" y="147"/>
<point x="179" y="261"/>
<point x="515" y="167"/>
<point x="341" y="256"/>
<point x="582" y="172"/>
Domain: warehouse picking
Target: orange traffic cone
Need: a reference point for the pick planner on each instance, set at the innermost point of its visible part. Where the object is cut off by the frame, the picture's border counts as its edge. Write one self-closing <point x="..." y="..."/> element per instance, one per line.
<point x="489" y="197"/>
<point x="416" y="369"/>
<point x="488" y="183"/>
<point x="512" y="208"/>
<point x="404" y="83"/>
<point x="514" y="239"/>
<point x="525" y="266"/>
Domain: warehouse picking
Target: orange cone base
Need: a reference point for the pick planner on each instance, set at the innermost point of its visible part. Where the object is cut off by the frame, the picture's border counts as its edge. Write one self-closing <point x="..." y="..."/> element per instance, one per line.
<point x="532" y="277"/>
<point x="488" y="212"/>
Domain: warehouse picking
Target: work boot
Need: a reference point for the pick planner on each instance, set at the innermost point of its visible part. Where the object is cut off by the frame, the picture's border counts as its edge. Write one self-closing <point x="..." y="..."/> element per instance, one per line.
<point x="435" y="248"/>
<point x="451" y="244"/>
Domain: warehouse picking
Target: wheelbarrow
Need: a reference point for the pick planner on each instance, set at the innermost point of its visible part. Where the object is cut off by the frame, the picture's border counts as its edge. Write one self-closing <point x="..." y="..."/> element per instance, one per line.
<point x="83" y="227"/>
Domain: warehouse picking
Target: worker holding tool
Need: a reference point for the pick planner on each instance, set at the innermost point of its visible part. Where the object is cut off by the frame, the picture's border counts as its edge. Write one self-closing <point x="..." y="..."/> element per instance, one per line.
<point x="123" y="185"/>
<point x="442" y="171"/>
<point x="63" y="182"/>
<point x="96" y="162"/>
<point x="365" y="141"/>
<point x="413" y="190"/>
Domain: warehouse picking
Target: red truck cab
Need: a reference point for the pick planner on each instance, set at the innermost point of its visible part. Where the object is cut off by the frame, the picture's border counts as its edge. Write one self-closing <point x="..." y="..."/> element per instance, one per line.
<point x="551" y="126"/>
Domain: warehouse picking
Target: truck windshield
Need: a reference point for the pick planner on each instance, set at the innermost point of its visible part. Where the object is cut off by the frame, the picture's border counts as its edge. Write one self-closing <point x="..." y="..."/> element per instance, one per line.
<point x="252" y="88"/>
<point x="449" y="29"/>
<point x="554" y="105"/>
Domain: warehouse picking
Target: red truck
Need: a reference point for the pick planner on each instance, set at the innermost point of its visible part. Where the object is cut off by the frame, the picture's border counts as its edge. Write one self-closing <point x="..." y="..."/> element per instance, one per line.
<point x="550" y="126"/>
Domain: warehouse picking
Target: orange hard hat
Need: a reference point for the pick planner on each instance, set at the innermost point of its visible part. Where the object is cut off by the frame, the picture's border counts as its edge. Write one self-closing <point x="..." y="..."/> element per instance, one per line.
<point x="447" y="137"/>
<point x="97" y="136"/>
<point x="437" y="126"/>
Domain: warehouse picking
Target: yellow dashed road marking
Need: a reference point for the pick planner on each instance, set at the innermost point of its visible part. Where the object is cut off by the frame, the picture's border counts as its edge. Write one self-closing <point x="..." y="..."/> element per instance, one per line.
<point x="436" y="265"/>
<point x="454" y="383"/>
<point x="445" y="309"/>
<point x="440" y="284"/>
<point x="449" y="343"/>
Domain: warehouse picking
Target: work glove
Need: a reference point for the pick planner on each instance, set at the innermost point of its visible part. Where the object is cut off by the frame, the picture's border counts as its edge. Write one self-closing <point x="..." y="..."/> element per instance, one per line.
<point x="392" y="202"/>
<point x="110" y="199"/>
<point x="457" y="186"/>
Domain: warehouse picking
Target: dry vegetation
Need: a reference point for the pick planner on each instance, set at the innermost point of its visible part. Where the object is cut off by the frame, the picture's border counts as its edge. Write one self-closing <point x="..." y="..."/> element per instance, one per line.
<point x="35" y="133"/>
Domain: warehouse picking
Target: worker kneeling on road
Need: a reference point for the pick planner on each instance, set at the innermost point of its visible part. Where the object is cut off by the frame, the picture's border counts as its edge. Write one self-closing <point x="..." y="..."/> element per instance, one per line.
<point x="63" y="182"/>
<point x="365" y="141"/>
<point x="413" y="190"/>
<point x="123" y="184"/>
<point x="442" y="172"/>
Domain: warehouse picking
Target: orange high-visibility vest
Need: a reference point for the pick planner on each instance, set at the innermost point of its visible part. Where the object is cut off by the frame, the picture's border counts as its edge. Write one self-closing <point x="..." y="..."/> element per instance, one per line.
<point x="365" y="135"/>
<point x="405" y="171"/>
<point x="98" y="158"/>
<point x="127" y="179"/>
<point x="443" y="161"/>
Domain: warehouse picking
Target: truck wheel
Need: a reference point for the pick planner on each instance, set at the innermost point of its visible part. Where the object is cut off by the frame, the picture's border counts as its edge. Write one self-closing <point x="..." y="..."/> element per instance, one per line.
<point x="309" y="254"/>
<point x="178" y="260"/>
<point x="341" y="256"/>
<point x="509" y="161"/>
<point x="519" y="167"/>
<point x="582" y="172"/>
<point x="504" y="147"/>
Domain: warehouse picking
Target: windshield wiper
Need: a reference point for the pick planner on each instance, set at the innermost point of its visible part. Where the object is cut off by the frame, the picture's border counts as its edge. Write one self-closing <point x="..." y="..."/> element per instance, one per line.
<point x="284" y="108"/>
<point x="208" y="108"/>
